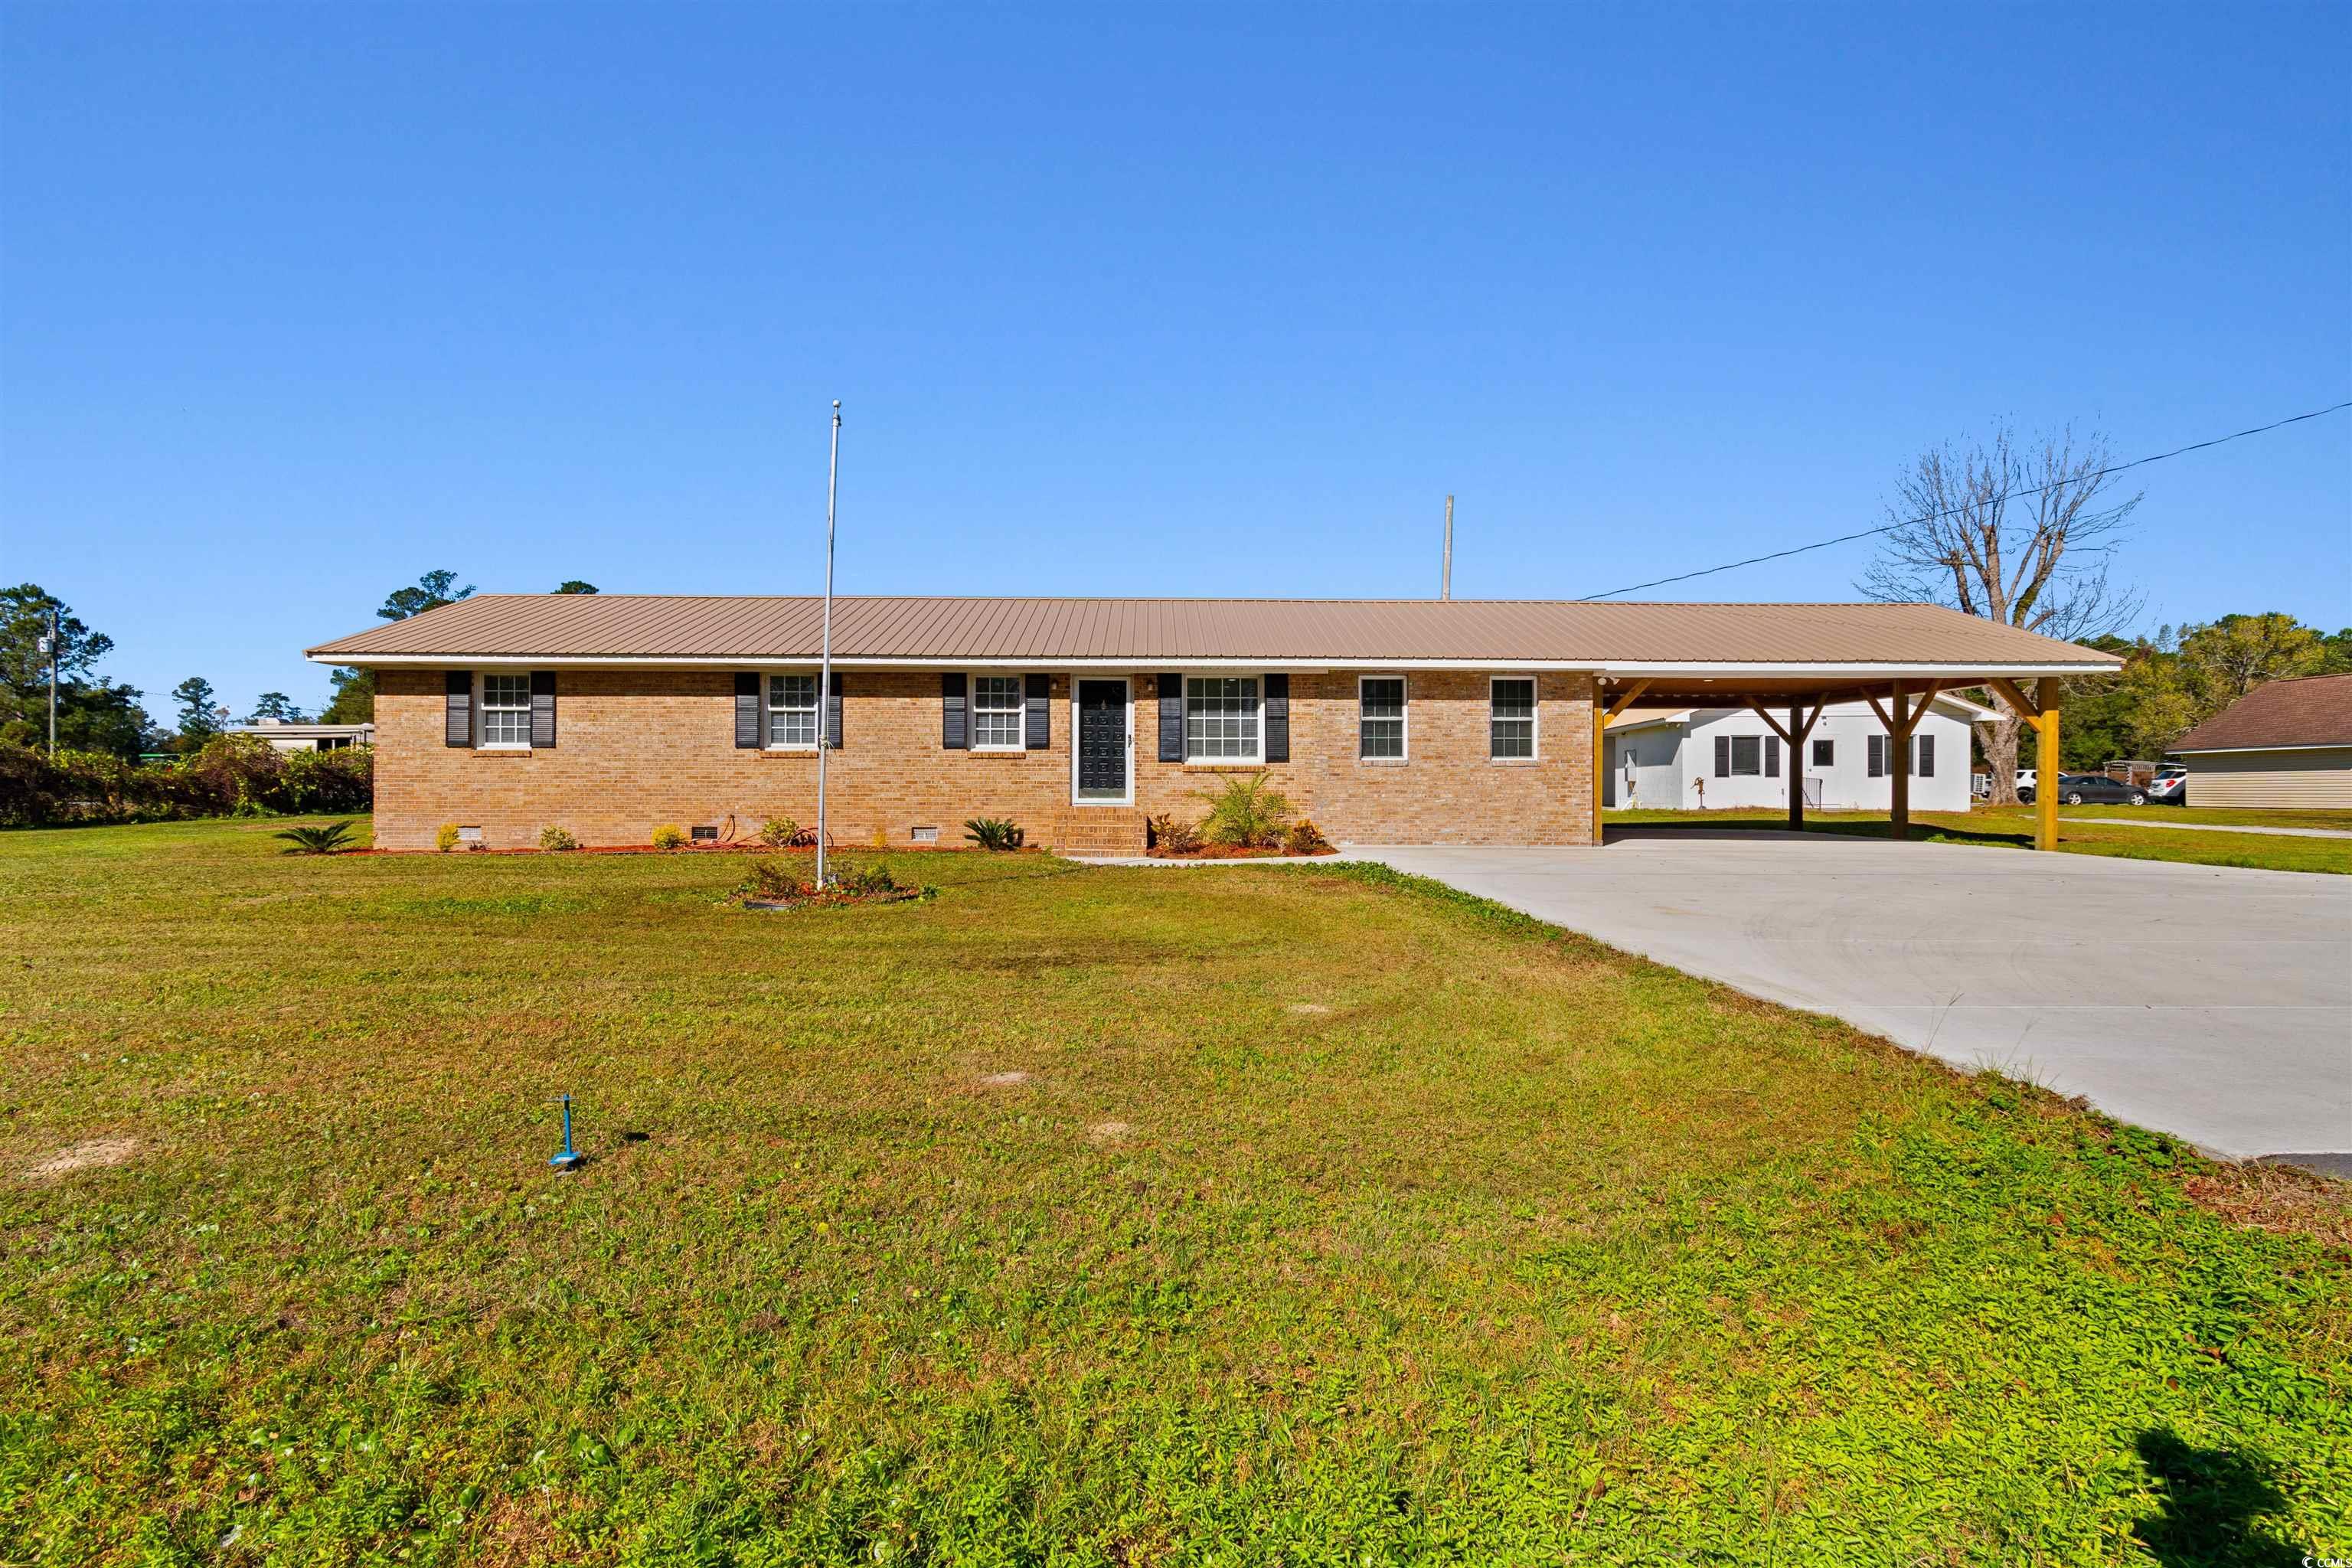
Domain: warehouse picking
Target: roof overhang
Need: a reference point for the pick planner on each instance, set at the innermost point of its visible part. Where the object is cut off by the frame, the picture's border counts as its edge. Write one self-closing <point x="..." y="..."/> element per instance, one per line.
<point x="2225" y="751"/>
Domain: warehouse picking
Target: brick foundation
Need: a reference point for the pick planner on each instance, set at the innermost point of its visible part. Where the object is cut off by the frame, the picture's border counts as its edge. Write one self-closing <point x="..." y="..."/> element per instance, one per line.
<point x="639" y="748"/>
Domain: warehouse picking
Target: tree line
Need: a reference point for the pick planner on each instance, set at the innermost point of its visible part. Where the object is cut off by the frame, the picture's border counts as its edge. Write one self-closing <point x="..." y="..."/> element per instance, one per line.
<point x="106" y="717"/>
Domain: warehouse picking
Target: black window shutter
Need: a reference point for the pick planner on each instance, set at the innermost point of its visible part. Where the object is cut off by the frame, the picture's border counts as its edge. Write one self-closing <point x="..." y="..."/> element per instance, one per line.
<point x="543" y="710"/>
<point x="833" y="714"/>
<point x="1877" y="756"/>
<point x="1771" y="756"/>
<point x="1172" y="718"/>
<point x="1037" y="720"/>
<point x="955" y="733"/>
<point x="1723" y="756"/>
<point x="458" y="709"/>
<point x="1926" y="743"/>
<point x="746" y="710"/>
<point x="1277" y="718"/>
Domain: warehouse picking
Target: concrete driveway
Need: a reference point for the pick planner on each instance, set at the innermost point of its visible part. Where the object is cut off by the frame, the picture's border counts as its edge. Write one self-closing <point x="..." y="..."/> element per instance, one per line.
<point x="2210" y="1003"/>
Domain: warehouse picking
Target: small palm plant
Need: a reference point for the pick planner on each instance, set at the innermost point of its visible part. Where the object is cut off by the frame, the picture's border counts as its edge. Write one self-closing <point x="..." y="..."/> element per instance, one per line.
<point x="328" y="840"/>
<point x="994" y="833"/>
<point x="1246" y="813"/>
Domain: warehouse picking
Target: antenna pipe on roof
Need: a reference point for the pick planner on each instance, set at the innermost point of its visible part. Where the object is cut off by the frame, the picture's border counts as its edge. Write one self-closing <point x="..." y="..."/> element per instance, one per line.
<point x="1445" y="580"/>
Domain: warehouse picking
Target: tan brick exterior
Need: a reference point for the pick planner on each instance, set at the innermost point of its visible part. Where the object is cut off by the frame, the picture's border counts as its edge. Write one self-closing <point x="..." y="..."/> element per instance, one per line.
<point x="638" y="748"/>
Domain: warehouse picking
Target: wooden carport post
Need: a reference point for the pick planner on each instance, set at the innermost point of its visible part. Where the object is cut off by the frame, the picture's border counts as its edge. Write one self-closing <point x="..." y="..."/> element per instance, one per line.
<point x="1601" y="716"/>
<point x="2042" y="712"/>
<point x="1898" y="742"/>
<point x="1793" y="737"/>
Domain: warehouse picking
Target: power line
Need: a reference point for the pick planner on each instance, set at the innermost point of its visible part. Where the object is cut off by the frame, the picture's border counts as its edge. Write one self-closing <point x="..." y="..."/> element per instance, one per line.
<point x="1932" y="516"/>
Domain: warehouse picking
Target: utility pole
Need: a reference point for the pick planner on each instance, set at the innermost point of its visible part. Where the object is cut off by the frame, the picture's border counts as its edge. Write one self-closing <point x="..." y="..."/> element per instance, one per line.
<point x="1445" y="581"/>
<point x="825" y="657"/>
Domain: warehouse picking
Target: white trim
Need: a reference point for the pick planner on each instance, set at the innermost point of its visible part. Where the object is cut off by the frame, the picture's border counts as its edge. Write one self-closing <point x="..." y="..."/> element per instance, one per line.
<point x="1611" y="670"/>
<point x="1127" y="796"/>
<point x="2238" y="751"/>
<point x="482" y="710"/>
<point x="972" y="712"/>
<point x="768" y="711"/>
<point x="1404" y="721"/>
<point x="1535" y="717"/>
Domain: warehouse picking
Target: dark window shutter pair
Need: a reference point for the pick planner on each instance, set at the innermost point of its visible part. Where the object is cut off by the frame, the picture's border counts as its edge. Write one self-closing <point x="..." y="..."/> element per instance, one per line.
<point x="458" y="709"/>
<point x="1037" y="715"/>
<point x="1276" y="715"/>
<point x="1925" y="768"/>
<point x="1723" y="756"/>
<point x="833" y="714"/>
<point x="1172" y="718"/>
<point x="543" y="710"/>
<point x="1878" y="756"/>
<point x="955" y="715"/>
<point x="746" y="711"/>
<point x="1771" y="756"/>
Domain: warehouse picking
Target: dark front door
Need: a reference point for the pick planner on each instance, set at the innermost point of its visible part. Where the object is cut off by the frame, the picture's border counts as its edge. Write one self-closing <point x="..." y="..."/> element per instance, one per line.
<point x="1102" y="739"/>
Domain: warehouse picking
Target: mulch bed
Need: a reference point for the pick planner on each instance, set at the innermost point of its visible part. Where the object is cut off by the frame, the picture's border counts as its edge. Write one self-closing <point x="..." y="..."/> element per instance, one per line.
<point x="1229" y="852"/>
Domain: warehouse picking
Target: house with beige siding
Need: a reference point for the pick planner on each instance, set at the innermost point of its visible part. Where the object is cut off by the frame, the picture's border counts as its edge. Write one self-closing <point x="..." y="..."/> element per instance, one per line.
<point x="2286" y="743"/>
<point x="1449" y="722"/>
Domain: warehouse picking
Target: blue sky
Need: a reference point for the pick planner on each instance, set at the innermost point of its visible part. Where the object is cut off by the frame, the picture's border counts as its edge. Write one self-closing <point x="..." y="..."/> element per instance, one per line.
<point x="298" y="302"/>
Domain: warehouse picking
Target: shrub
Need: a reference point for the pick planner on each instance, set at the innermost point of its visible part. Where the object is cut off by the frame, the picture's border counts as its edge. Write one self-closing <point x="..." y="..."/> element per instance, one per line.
<point x="445" y="838"/>
<point x="872" y="880"/>
<point x="231" y="775"/>
<point x="1305" y="838"/>
<point x="779" y="833"/>
<point x="994" y="832"/>
<point x="773" y="880"/>
<point x="669" y="836"/>
<point x="881" y="839"/>
<point x="1170" y="836"/>
<point x="552" y="838"/>
<point x="1246" y="813"/>
<point x="324" y="840"/>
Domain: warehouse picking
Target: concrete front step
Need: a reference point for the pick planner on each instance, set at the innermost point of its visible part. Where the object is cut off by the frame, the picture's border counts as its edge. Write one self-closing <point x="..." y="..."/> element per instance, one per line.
<point x="1098" y="830"/>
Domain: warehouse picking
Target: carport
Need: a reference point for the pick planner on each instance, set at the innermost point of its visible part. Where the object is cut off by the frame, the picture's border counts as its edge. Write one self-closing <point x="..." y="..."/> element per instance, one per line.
<point x="1789" y="699"/>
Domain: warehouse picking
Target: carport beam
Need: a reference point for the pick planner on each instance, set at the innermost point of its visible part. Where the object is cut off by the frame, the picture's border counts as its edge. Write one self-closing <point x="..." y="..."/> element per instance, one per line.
<point x="2041" y="712"/>
<point x="1602" y="712"/>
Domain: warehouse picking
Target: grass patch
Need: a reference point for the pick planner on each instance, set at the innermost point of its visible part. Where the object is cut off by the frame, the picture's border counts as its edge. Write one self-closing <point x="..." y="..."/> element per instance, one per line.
<point x="1317" y="1215"/>
<point x="2011" y="827"/>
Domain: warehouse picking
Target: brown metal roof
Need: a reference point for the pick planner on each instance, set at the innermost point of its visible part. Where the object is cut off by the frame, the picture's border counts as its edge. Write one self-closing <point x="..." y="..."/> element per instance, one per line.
<point x="1151" y="631"/>
<point x="2315" y="710"/>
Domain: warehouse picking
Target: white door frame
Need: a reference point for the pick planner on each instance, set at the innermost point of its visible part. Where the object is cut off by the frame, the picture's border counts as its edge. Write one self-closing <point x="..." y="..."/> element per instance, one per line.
<point x="1127" y="793"/>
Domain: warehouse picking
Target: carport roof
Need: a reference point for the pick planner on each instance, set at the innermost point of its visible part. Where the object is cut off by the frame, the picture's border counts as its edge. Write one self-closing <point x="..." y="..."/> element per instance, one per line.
<point x="1736" y="639"/>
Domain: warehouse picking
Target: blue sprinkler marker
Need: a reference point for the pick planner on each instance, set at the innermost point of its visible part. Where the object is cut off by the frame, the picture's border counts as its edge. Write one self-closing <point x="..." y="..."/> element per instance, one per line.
<point x="571" y="1158"/>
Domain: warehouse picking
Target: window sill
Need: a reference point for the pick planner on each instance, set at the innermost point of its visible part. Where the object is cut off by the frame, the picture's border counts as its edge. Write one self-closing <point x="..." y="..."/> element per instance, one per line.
<point x="1513" y="762"/>
<point x="1384" y="761"/>
<point x="1000" y="750"/>
<point x="1226" y="765"/>
<point x="504" y="749"/>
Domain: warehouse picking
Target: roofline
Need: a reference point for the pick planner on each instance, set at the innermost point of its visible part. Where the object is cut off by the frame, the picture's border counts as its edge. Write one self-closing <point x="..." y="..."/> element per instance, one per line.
<point x="1616" y="670"/>
<point x="2298" y="746"/>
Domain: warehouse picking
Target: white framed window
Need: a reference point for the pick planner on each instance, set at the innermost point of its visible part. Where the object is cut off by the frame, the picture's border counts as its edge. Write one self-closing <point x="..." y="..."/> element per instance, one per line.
<point x="997" y="710"/>
<point x="1220" y="719"/>
<point x="1511" y="720"/>
<point x="1380" y="717"/>
<point x="506" y="711"/>
<point x="1824" y="753"/>
<point x="791" y="712"/>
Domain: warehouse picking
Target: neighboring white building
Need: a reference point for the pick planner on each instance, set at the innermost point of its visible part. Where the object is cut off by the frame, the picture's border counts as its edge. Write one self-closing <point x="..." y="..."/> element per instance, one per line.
<point x="287" y="736"/>
<point x="1657" y="757"/>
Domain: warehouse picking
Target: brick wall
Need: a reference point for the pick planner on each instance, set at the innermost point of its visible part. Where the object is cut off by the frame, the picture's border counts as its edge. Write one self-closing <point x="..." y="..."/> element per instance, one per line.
<point x="639" y="748"/>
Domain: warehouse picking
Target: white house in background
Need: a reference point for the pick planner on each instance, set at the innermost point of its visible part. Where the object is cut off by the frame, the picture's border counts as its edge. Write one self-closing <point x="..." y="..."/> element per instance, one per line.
<point x="288" y="736"/>
<point x="1658" y="757"/>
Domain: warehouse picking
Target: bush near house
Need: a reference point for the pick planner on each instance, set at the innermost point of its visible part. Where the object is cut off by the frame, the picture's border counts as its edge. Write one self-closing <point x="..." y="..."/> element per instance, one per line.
<point x="230" y="775"/>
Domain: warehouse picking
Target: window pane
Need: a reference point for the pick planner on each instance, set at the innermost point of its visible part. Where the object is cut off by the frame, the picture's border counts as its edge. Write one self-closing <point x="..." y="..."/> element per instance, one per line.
<point x="1747" y="754"/>
<point x="996" y="710"/>
<point x="506" y="710"/>
<point x="1221" y="716"/>
<point x="1512" y="729"/>
<point x="791" y="710"/>
<point x="1824" y="753"/>
<point x="1381" y="722"/>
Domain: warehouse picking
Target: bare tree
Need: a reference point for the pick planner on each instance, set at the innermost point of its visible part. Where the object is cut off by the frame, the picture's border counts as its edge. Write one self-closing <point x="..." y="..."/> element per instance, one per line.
<point x="2024" y="534"/>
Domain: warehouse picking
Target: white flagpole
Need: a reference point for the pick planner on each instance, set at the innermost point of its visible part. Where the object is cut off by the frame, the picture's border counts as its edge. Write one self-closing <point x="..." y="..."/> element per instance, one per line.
<point x="824" y="665"/>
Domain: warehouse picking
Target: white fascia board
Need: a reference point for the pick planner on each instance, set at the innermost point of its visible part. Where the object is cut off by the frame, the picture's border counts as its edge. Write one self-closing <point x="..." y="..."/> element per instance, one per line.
<point x="1609" y="670"/>
<point x="1617" y="669"/>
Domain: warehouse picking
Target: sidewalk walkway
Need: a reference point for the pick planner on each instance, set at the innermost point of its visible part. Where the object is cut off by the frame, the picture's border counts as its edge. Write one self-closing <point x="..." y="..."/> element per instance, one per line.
<point x="2209" y="827"/>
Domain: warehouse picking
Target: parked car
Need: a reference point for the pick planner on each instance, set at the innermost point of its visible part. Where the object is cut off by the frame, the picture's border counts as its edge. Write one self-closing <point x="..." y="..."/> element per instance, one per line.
<point x="2095" y="789"/>
<point x="2169" y="787"/>
<point x="2025" y="784"/>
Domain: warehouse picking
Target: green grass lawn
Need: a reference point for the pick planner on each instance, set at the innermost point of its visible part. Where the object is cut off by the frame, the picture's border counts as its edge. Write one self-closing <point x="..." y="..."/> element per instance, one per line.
<point x="2012" y="826"/>
<point x="1337" y="1220"/>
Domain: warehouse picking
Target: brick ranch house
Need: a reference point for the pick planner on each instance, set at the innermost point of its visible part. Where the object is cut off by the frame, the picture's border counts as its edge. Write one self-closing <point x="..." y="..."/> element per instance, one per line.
<point x="1386" y="722"/>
